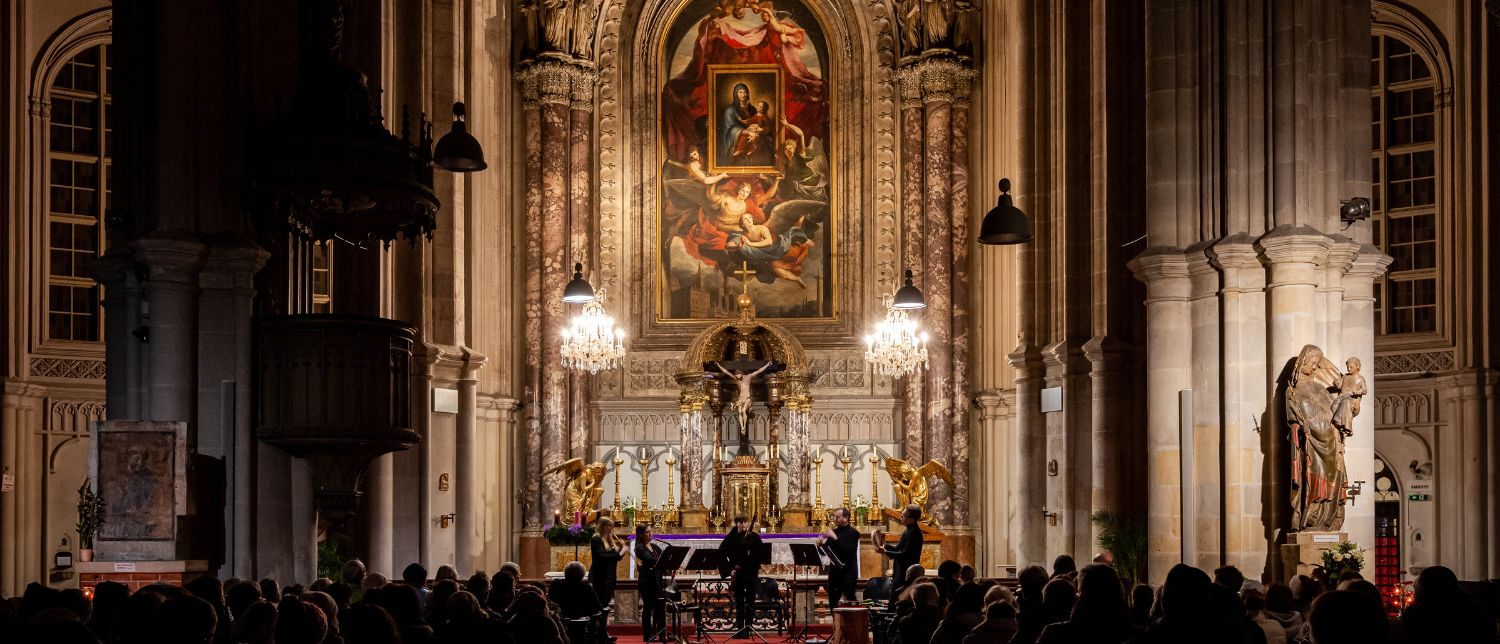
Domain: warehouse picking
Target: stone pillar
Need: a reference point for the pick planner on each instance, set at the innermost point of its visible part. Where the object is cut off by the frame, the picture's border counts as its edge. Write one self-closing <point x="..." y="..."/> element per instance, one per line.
<point x="580" y="225"/>
<point x="1242" y="313"/>
<point x="123" y="296"/>
<point x="913" y="252"/>
<point x="773" y="456"/>
<point x="993" y="501"/>
<point x="1031" y="448"/>
<point x="1168" y="372"/>
<point x="20" y="423"/>
<point x="1292" y="256"/>
<point x="1118" y="453"/>
<point x="468" y="536"/>
<point x="937" y="105"/>
<point x="798" y="448"/>
<point x="1202" y="496"/>
<point x="959" y="301"/>
<point x="380" y="515"/>
<point x="531" y="116"/>
<point x="172" y="293"/>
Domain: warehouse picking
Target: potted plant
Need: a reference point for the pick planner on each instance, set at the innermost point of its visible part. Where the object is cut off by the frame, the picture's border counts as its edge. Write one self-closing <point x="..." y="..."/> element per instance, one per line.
<point x="1125" y="540"/>
<point x="861" y="510"/>
<point x="1343" y="558"/>
<point x="90" y="517"/>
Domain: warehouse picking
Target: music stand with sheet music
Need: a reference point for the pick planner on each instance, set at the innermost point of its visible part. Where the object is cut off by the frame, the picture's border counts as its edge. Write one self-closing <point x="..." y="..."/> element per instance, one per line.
<point x="809" y="555"/>
<point x="758" y="553"/>
<point x="704" y="560"/>
<point x="670" y="559"/>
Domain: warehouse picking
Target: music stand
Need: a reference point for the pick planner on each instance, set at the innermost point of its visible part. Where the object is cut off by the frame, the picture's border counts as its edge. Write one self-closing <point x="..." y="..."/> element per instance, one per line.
<point x="757" y="553"/>
<point x="804" y="554"/>
<point x="704" y="559"/>
<point x="670" y="559"/>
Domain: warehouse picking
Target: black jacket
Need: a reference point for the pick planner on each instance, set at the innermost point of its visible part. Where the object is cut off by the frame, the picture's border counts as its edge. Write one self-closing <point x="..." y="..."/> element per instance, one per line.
<point x="845" y="546"/>
<point x="735" y="556"/>
<point x="906" y="553"/>
<point x="646" y="558"/>
<point x="605" y="559"/>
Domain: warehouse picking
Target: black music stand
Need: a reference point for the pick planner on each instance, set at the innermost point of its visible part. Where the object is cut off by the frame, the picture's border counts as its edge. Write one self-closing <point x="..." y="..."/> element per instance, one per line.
<point x="704" y="560"/>
<point x="805" y="554"/>
<point x="670" y="559"/>
<point x="759" y="553"/>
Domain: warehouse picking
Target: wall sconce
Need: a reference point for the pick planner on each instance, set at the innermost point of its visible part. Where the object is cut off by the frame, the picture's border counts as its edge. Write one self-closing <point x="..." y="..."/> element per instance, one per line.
<point x="1353" y="490"/>
<point x="1051" y="517"/>
<point x="443" y="482"/>
<point x="445" y="520"/>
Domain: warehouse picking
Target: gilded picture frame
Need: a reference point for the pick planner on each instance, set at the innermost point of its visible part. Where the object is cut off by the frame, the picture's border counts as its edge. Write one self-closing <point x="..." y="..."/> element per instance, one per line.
<point x="742" y="137"/>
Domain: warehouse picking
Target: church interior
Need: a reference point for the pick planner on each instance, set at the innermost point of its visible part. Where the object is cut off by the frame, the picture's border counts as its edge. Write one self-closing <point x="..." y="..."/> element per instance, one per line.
<point x="449" y="281"/>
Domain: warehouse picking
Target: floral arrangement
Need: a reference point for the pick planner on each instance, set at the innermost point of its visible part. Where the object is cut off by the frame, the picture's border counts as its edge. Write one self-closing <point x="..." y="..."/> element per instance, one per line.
<point x="629" y="504"/>
<point x="1343" y="557"/>
<point x="859" y="502"/>
<point x="569" y="535"/>
<point x="90" y="514"/>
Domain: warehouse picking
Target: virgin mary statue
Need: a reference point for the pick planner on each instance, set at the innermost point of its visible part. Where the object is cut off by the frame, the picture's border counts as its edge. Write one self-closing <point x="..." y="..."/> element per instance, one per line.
<point x="1319" y="477"/>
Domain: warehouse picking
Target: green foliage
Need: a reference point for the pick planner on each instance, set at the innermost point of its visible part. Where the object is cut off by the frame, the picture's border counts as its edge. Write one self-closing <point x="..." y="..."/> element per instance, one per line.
<point x="569" y="535"/>
<point x="333" y="552"/>
<point x="1124" y="538"/>
<point x="90" y="514"/>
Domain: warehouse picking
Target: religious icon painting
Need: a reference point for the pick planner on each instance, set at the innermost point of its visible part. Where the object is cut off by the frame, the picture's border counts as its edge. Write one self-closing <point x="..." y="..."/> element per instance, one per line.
<point x="743" y="124"/>
<point x="747" y="186"/>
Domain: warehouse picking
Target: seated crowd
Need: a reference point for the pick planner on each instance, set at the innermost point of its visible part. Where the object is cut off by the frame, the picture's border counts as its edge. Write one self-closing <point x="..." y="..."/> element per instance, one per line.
<point x="1068" y="605"/>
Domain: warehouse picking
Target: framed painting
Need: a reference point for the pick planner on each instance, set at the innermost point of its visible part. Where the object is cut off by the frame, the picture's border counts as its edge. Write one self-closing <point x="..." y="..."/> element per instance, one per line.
<point x="140" y="469"/>
<point x="747" y="197"/>
<point x="744" y="122"/>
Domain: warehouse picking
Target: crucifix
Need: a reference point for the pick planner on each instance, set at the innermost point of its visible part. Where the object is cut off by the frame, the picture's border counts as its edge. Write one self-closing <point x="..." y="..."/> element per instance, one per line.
<point x="742" y="400"/>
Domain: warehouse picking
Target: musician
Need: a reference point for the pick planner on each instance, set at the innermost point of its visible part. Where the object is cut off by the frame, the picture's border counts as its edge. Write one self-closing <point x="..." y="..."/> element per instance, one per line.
<point x="843" y="541"/>
<point x="607" y="550"/>
<point x="653" y="610"/>
<point x="743" y="570"/>
<point x="906" y="553"/>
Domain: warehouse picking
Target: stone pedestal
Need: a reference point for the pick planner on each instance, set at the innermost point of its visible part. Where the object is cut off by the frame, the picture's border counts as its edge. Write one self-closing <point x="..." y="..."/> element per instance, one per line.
<point x="693" y="519"/>
<point x="139" y="574"/>
<point x="796" y="518"/>
<point x="1304" y="550"/>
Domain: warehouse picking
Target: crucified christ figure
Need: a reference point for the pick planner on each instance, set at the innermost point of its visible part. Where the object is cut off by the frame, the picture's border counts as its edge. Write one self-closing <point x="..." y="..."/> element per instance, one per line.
<point x="742" y="401"/>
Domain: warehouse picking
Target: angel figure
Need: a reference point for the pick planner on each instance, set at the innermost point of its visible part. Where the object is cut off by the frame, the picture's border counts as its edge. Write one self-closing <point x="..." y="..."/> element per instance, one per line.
<point x="910" y="482"/>
<point x="584" y="487"/>
<point x="694" y="168"/>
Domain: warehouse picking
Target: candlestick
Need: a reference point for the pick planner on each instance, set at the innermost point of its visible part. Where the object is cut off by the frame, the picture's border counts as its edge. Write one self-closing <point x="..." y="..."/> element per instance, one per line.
<point x="820" y="513"/>
<point x="618" y="461"/>
<point x="875" y="482"/>
<point x="645" y="482"/>
<point x="671" y="499"/>
<point x="846" y="461"/>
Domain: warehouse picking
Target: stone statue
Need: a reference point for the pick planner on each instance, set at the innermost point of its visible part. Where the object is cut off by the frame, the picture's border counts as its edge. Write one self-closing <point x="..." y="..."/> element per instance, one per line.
<point x="910" y="482"/>
<point x="742" y="399"/>
<point x="585" y="485"/>
<point x="1321" y="404"/>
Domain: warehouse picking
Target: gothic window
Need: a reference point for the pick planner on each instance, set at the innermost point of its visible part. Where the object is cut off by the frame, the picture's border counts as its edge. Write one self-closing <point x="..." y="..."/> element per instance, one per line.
<point x="322" y="277"/>
<point x="1404" y="181"/>
<point x="78" y="169"/>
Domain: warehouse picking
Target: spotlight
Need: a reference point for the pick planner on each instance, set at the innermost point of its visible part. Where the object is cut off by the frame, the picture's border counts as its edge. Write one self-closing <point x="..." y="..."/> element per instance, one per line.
<point x="1356" y="209"/>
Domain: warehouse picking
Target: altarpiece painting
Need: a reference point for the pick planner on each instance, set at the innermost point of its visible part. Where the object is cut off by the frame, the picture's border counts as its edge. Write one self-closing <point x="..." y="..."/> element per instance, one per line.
<point x="746" y="181"/>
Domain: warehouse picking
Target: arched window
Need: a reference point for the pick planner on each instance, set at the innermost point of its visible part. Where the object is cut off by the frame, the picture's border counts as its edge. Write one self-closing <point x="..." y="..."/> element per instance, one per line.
<point x="1404" y="180"/>
<point x="78" y="172"/>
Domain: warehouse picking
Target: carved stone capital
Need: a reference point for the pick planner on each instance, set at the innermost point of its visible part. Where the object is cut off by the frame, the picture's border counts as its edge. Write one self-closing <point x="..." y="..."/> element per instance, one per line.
<point x="1238" y="263"/>
<point x="583" y="83"/>
<point x="1293" y="255"/>
<point x="1164" y="271"/>
<point x="941" y="79"/>
<point x="992" y="405"/>
<point x="232" y="267"/>
<point x="1362" y="271"/>
<point x="170" y="257"/>
<point x="909" y="79"/>
<point x="554" y="80"/>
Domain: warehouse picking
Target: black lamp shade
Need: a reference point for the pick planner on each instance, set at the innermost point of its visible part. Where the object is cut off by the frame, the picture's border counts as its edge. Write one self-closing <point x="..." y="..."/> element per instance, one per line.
<point x="1004" y="224"/>
<point x="458" y="151"/>
<point x="909" y="296"/>
<point x="578" y="291"/>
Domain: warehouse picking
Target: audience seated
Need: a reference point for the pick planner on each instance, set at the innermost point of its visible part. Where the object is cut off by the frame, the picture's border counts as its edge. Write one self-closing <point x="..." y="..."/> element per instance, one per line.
<point x="1100" y="614"/>
<point x="999" y="624"/>
<point x="917" y="627"/>
<point x="961" y="615"/>
<point x="1440" y="611"/>
<point x="573" y="595"/>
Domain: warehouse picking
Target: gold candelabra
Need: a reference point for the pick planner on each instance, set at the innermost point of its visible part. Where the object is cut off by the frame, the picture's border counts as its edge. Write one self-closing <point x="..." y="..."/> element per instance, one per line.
<point x="618" y="461"/>
<point x="645" y="482"/>
<point x="671" y="499"/>
<point x="846" y="461"/>
<point x="820" y="513"/>
<point x="875" y="484"/>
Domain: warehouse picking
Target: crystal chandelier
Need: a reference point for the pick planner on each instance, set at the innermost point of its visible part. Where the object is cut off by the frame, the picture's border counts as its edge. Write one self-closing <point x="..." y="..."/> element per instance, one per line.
<point x="592" y="342"/>
<point x="898" y="346"/>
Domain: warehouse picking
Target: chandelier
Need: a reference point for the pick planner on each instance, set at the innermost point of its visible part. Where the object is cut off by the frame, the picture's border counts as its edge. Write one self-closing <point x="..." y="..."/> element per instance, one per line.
<point x="898" y="346"/>
<point x="592" y="342"/>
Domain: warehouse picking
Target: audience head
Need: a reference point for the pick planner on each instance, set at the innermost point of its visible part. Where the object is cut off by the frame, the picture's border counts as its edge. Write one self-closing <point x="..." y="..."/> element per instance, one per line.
<point x="514" y="569"/>
<point x="137" y="621"/>
<point x="998" y="593"/>
<point x="573" y="572"/>
<point x="966" y="574"/>
<point x="996" y="611"/>
<point x="403" y="603"/>
<point x="256" y="623"/>
<point x="1104" y="558"/>
<point x="320" y="584"/>
<point x="372" y="581"/>
<point x="326" y="603"/>
<point x="354" y="573"/>
<point x="478" y="585"/>
<point x="341" y="593"/>
<point x="1099" y="593"/>
<point x="1229" y="577"/>
<point x="1279" y="599"/>
<point x="75" y="602"/>
<point x="1063" y="565"/>
<point x="207" y="588"/>
<point x="915" y="571"/>
<point x="969" y="598"/>
<point x="269" y="589"/>
<point x="1435" y="583"/>
<point x="415" y="575"/>
<point x="1344" y="616"/>
<point x="1304" y="590"/>
<point x="185" y="620"/>
<point x="949" y="569"/>
<point x="299" y="622"/>
<point x="446" y="571"/>
<point x="529" y="603"/>
<point x="924" y="594"/>
<point x="464" y="606"/>
<point x="239" y="598"/>
<point x="1032" y="579"/>
<point x="369" y="624"/>
<point x="1185" y="594"/>
<point x="1058" y="597"/>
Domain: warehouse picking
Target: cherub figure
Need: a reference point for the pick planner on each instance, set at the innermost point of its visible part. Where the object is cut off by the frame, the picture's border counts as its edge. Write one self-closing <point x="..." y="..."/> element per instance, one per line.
<point x="1352" y="388"/>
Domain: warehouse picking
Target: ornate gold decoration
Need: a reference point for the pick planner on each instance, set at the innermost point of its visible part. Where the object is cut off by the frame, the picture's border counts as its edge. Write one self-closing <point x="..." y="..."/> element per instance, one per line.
<point x="910" y="483"/>
<point x="617" y="462"/>
<point x="585" y="485"/>
<point x="874" y="484"/>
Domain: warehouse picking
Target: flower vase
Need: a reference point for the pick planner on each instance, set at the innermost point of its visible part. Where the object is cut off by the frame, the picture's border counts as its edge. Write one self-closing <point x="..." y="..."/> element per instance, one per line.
<point x="85" y="554"/>
<point x="630" y="517"/>
<point x="860" y="514"/>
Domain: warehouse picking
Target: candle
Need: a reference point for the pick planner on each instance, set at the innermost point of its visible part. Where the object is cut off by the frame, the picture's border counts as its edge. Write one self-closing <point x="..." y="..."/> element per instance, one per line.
<point x="577" y="517"/>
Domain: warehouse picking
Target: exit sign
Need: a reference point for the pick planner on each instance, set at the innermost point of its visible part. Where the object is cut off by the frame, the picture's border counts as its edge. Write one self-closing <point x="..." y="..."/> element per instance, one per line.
<point x="1418" y="497"/>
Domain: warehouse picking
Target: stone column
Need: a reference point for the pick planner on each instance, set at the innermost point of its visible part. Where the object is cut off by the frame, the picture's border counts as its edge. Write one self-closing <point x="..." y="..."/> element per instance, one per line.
<point x="531" y="114"/>
<point x="172" y="293"/>
<point x="1202" y="496"/>
<point x="1168" y="372"/>
<point x="1118" y="454"/>
<point x="773" y="457"/>
<point x="1292" y="256"/>
<point x="380" y="510"/>
<point x="993" y="502"/>
<point x="937" y="105"/>
<point x="468" y="538"/>
<point x="913" y="252"/>
<point x="1031" y="448"/>
<point x="1242" y="312"/>
<point x="963" y="81"/>
<point x="798" y="447"/>
<point x="580" y="225"/>
<point x="122" y="305"/>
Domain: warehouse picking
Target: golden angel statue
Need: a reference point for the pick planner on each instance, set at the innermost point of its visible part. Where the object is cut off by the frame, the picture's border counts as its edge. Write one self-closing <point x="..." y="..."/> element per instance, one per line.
<point x="585" y="485"/>
<point x="910" y="482"/>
